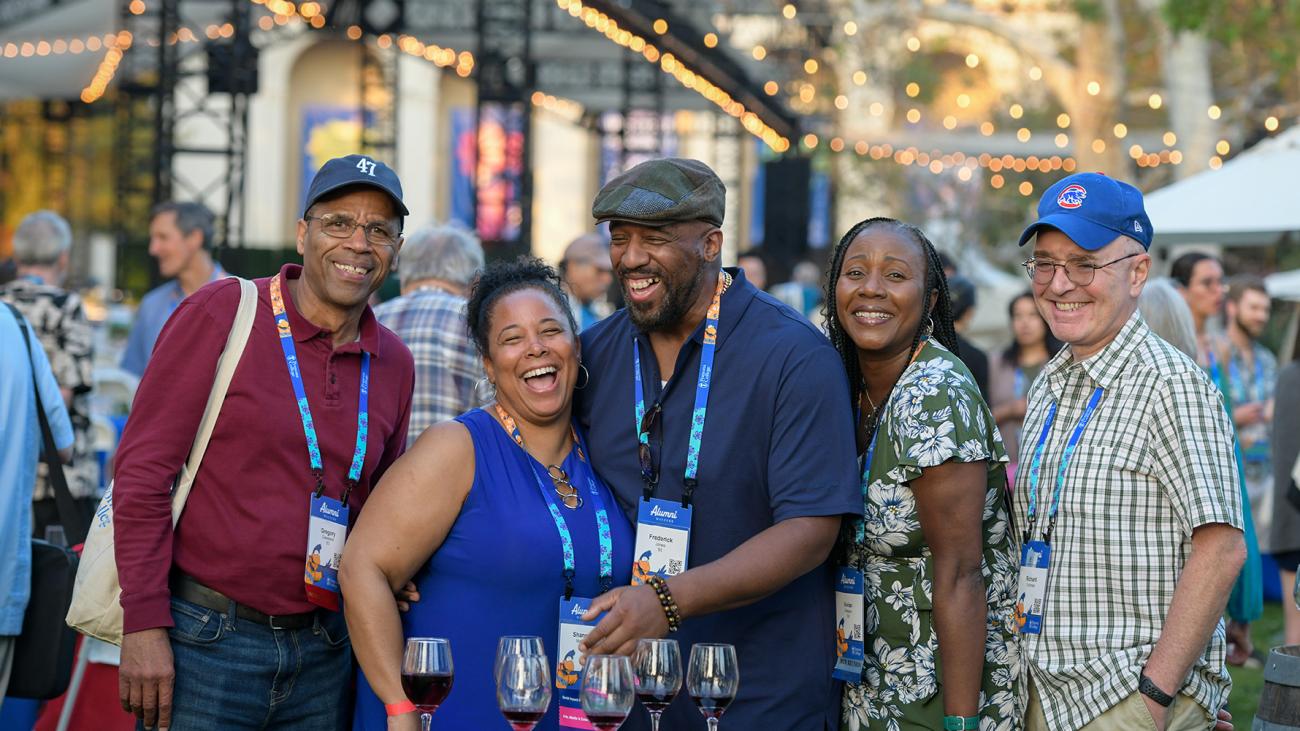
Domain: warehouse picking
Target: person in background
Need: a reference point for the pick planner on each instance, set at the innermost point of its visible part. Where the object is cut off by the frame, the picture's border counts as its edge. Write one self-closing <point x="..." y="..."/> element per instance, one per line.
<point x="1131" y="518"/>
<point x="467" y="513"/>
<point x="1285" y="538"/>
<point x="437" y="265"/>
<point x="935" y="548"/>
<point x="1200" y="280"/>
<point x="586" y="274"/>
<point x="1251" y="375"/>
<point x="1015" y="368"/>
<point x="1168" y="316"/>
<point x="42" y="244"/>
<point x="803" y="291"/>
<point x="751" y="262"/>
<point x="228" y="621"/>
<point x="180" y="239"/>
<point x="20" y="448"/>
<point x="962" y="291"/>
<point x="8" y="270"/>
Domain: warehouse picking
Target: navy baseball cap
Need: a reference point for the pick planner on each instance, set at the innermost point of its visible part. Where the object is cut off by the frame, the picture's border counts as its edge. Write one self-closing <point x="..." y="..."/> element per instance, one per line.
<point x="1093" y="210"/>
<point x="355" y="170"/>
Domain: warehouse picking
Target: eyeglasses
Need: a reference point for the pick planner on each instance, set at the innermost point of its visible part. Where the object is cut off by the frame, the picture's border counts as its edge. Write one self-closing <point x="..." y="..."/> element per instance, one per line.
<point x="1080" y="273"/>
<point x="648" y="471"/>
<point x="342" y="227"/>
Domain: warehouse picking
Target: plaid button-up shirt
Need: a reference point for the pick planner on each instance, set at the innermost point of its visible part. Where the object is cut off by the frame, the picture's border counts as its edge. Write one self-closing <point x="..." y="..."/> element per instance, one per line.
<point x="432" y="324"/>
<point x="1155" y="462"/>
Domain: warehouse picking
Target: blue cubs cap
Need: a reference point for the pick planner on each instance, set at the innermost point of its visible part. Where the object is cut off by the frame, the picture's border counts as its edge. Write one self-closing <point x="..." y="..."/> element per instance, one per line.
<point x="1093" y="210"/>
<point x="355" y="170"/>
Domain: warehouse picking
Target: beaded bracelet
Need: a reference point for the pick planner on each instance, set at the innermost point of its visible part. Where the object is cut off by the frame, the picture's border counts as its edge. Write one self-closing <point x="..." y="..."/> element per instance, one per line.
<point x="666" y="600"/>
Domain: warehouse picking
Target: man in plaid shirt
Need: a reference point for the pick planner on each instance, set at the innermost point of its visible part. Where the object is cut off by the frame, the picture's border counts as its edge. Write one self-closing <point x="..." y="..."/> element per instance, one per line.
<point x="1130" y="497"/>
<point x="437" y="265"/>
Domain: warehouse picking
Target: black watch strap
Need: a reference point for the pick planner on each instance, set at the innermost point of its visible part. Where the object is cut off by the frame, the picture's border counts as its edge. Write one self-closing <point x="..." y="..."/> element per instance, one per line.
<point x="1148" y="688"/>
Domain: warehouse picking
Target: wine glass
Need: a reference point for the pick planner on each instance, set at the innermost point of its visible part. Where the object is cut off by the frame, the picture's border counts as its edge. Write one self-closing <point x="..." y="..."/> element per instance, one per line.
<point x="712" y="679"/>
<point x="427" y="674"/>
<point x="523" y="689"/>
<point x="607" y="690"/>
<point x="657" y="672"/>
<point x="516" y="645"/>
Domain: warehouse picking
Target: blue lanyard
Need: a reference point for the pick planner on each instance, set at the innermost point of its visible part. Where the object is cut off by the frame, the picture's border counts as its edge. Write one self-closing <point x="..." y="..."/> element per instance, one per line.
<point x="561" y="525"/>
<point x="702" y="385"/>
<point x="1035" y="466"/>
<point x="304" y="411"/>
<point x="859" y="524"/>
<point x="1020" y="382"/>
<point x="1234" y="373"/>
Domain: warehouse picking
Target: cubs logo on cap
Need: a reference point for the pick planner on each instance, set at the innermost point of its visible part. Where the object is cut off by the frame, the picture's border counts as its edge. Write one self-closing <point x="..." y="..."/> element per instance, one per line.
<point x="1114" y="208"/>
<point x="1072" y="197"/>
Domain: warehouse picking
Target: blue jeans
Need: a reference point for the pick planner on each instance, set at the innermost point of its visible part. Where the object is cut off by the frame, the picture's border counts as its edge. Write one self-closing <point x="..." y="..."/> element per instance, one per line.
<point x="234" y="674"/>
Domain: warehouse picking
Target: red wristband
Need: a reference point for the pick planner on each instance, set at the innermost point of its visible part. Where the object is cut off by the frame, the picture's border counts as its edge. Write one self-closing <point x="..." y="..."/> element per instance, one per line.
<point x="397" y="709"/>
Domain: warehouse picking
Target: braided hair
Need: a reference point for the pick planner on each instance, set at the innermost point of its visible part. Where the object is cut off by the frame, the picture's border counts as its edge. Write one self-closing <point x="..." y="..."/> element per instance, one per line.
<point x="940" y="314"/>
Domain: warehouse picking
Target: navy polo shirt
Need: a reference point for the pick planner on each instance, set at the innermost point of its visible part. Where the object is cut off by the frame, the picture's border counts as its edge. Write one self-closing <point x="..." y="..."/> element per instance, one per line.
<point x="778" y="443"/>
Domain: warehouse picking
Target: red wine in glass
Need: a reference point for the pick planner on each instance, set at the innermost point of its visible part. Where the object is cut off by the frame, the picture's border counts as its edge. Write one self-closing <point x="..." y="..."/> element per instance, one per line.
<point x="607" y="721"/>
<point x="523" y="720"/>
<point x="712" y="707"/>
<point x="655" y="702"/>
<point x="427" y="691"/>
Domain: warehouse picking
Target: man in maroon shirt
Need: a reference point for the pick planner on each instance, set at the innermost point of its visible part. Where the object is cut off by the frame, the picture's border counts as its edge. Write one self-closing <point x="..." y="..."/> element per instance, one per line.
<point x="224" y="629"/>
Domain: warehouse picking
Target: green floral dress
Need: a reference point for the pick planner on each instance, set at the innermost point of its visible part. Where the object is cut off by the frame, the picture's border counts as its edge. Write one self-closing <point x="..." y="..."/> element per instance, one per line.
<point x="935" y="416"/>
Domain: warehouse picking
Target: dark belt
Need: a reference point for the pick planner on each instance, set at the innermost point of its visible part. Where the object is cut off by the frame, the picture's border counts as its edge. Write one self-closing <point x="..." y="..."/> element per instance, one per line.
<point x="186" y="588"/>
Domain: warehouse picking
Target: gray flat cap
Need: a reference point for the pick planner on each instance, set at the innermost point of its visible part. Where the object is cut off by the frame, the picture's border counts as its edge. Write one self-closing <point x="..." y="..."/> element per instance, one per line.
<point x="659" y="192"/>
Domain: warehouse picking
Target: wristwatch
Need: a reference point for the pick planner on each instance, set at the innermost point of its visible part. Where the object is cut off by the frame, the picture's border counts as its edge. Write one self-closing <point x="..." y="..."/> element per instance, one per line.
<point x="1148" y="688"/>
<point x="960" y="723"/>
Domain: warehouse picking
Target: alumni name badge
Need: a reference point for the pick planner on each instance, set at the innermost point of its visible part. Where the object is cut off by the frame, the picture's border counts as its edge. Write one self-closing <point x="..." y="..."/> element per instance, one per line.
<point x="1031" y="596"/>
<point x="327" y="529"/>
<point x="849" y="644"/>
<point x="568" y="668"/>
<point x="663" y="539"/>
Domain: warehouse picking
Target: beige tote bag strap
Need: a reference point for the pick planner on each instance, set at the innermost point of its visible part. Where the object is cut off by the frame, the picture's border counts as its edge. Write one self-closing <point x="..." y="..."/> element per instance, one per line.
<point x="226" y="365"/>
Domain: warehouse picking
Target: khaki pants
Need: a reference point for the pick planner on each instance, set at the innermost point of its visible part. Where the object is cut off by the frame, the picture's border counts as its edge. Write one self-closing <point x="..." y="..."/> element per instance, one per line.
<point x="1130" y="714"/>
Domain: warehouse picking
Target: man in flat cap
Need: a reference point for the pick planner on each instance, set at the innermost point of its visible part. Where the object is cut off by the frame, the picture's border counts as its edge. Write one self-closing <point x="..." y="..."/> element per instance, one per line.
<point x="224" y="627"/>
<point x="717" y="415"/>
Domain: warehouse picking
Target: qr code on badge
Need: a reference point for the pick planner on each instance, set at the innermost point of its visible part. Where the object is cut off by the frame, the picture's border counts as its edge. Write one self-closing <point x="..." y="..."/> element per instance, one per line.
<point x="674" y="567"/>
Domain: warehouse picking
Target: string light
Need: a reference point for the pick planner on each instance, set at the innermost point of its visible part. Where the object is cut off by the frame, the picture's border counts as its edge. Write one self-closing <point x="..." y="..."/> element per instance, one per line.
<point x="972" y="60"/>
<point x="859" y="77"/>
<point x="1214" y="111"/>
<point x="711" y="40"/>
<point x="850" y="28"/>
<point x="759" y="53"/>
<point x="107" y="68"/>
<point x="684" y="75"/>
<point x="789" y="11"/>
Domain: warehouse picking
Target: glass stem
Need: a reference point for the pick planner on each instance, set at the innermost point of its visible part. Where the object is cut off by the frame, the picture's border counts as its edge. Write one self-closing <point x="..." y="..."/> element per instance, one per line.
<point x="654" y="721"/>
<point x="713" y="724"/>
<point x="426" y="720"/>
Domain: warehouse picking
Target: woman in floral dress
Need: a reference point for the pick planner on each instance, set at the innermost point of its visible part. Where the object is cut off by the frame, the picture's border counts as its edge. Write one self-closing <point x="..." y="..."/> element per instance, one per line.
<point x="935" y="546"/>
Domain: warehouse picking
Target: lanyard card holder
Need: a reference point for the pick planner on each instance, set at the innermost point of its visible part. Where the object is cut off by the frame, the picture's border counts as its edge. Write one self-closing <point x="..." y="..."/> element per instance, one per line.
<point x="568" y="670"/>
<point x="1031" y="595"/>
<point x="849" y="644"/>
<point x="327" y="530"/>
<point x="663" y="539"/>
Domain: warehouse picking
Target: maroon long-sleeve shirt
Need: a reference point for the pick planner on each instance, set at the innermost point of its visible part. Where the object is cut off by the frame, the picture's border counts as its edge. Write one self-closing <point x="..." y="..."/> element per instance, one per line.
<point x="244" y="528"/>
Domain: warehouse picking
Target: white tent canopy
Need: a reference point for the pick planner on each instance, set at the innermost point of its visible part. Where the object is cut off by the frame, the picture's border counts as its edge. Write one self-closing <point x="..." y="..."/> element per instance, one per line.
<point x="1284" y="285"/>
<point x="1252" y="199"/>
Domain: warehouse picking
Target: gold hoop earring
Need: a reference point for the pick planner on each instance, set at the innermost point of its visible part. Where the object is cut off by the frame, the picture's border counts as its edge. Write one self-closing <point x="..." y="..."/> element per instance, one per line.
<point x="583" y="370"/>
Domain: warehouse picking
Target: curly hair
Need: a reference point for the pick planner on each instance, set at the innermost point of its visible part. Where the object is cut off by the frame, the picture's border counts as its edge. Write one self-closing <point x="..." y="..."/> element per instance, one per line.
<point x="505" y="277"/>
<point x="935" y="282"/>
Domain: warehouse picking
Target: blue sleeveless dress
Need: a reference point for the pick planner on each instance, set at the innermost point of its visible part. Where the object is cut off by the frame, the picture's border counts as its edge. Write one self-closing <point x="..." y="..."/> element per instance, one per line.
<point x="500" y="572"/>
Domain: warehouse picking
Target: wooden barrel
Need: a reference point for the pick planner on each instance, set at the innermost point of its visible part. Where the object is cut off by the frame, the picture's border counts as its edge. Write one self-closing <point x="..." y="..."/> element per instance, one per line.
<point x="1279" y="703"/>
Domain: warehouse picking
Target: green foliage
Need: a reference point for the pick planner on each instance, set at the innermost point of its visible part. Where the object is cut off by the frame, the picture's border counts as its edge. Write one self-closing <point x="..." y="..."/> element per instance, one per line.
<point x="1271" y="28"/>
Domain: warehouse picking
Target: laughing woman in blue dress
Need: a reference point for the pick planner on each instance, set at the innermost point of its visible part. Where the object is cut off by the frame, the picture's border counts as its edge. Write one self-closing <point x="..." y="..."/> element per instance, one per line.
<point x="467" y="515"/>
